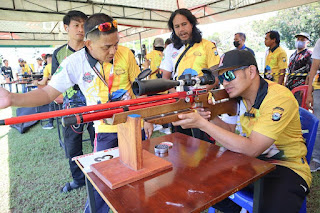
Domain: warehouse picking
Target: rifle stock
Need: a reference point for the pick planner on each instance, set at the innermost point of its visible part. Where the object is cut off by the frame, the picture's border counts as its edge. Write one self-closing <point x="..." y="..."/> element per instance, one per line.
<point x="167" y="113"/>
<point x="160" y="109"/>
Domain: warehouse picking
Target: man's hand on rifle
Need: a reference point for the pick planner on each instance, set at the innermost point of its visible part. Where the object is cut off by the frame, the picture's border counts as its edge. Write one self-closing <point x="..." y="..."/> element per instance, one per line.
<point x="5" y="100"/>
<point x="148" y="129"/>
<point x="205" y="114"/>
<point x="191" y="120"/>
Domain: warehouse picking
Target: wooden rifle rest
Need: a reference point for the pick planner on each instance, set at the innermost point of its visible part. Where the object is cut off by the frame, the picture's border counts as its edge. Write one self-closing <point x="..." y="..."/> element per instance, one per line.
<point x="133" y="163"/>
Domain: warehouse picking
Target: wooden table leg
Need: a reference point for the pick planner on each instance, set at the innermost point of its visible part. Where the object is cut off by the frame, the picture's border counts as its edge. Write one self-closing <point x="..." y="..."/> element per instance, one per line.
<point x="90" y="194"/>
<point x="257" y="195"/>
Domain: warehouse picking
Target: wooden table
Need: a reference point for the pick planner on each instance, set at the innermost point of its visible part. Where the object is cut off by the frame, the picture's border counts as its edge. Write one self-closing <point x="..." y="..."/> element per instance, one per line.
<point x="202" y="175"/>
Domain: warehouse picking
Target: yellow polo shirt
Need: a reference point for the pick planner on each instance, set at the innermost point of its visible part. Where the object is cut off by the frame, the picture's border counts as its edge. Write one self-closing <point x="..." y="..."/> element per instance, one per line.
<point x="155" y="58"/>
<point x="278" y="118"/>
<point x="125" y="72"/>
<point x="47" y="71"/>
<point x="201" y="55"/>
<point x="276" y="60"/>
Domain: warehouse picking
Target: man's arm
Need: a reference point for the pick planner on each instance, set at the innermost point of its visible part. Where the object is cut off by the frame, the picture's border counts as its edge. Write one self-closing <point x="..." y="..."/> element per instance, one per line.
<point x="313" y="71"/>
<point x="281" y="77"/>
<point x="146" y="63"/>
<point x="34" y="98"/>
<point x="253" y="146"/>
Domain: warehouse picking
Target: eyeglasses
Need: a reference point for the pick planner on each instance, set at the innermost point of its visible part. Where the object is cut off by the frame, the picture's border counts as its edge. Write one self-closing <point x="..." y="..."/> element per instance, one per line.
<point x="229" y="75"/>
<point x="104" y="27"/>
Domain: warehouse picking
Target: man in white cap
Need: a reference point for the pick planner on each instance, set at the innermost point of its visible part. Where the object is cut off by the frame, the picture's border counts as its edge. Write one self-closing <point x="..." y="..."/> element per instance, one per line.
<point x="154" y="58"/>
<point x="299" y="63"/>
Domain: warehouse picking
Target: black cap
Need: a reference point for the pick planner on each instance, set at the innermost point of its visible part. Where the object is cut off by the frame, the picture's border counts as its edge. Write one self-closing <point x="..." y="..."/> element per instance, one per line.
<point x="235" y="59"/>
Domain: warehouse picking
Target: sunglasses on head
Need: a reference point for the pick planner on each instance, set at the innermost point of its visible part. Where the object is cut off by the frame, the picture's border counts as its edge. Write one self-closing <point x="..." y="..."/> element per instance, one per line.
<point x="104" y="27"/>
<point x="229" y="75"/>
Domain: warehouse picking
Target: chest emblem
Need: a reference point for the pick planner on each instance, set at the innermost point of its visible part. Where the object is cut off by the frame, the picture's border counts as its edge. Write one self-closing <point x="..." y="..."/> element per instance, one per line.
<point x="174" y="55"/>
<point x="88" y="77"/>
<point x="197" y="53"/>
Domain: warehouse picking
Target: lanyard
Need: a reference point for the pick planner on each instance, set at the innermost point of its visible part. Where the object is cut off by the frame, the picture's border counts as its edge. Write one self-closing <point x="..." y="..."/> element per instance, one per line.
<point x="103" y="78"/>
<point x="110" y="81"/>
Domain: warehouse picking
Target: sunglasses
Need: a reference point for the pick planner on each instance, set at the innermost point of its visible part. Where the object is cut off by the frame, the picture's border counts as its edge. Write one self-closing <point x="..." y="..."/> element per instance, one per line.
<point x="229" y="75"/>
<point x="104" y="27"/>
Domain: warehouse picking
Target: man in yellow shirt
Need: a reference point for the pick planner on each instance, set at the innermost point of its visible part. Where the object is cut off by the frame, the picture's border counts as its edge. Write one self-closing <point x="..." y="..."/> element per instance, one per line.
<point x="267" y="126"/>
<point x="154" y="58"/>
<point x="46" y="71"/>
<point x="276" y="58"/>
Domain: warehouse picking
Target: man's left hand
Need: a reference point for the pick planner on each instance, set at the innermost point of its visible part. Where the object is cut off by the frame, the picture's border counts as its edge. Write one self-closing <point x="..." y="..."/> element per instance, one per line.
<point x="190" y="120"/>
<point x="148" y="129"/>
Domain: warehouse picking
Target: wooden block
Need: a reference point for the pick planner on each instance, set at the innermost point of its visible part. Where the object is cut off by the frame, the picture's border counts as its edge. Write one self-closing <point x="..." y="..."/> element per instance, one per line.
<point x="129" y="140"/>
<point x="116" y="174"/>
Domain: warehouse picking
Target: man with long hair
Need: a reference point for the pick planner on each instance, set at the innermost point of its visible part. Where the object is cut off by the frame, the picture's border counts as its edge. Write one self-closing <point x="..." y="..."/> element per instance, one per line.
<point x="188" y="53"/>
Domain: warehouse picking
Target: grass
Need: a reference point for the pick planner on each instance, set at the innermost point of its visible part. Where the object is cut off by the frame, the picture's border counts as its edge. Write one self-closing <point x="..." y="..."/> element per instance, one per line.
<point x="33" y="167"/>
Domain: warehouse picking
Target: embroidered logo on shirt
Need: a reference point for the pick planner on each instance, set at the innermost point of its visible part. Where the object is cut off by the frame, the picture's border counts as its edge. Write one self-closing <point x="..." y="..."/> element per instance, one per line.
<point x="197" y="53"/>
<point x="58" y="70"/>
<point x="277" y="113"/>
<point x="87" y="77"/>
<point x="119" y="71"/>
<point x="174" y="55"/>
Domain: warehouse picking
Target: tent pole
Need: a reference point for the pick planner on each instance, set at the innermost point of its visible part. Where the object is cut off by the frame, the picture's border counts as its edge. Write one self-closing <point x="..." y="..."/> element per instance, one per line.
<point x="141" y="51"/>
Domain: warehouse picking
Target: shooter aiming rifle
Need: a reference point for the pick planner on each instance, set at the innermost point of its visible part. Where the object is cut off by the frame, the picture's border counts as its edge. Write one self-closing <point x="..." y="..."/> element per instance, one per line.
<point x="157" y="109"/>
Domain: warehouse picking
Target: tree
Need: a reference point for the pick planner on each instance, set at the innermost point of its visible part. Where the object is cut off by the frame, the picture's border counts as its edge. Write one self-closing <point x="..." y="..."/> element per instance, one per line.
<point x="292" y="21"/>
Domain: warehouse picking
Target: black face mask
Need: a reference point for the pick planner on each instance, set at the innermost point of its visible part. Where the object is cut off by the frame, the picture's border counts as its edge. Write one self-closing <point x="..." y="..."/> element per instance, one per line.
<point x="236" y="43"/>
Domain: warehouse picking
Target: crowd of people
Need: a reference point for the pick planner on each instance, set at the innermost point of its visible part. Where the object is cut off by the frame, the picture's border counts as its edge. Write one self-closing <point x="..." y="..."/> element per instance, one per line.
<point x="93" y="68"/>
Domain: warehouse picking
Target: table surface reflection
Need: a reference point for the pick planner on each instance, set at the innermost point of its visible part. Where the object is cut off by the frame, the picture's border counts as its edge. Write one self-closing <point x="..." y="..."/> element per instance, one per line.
<point x="202" y="175"/>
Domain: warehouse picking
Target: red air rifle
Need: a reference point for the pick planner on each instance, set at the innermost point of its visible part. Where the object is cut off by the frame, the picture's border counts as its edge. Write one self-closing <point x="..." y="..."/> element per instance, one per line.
<point x="158" y="109"/>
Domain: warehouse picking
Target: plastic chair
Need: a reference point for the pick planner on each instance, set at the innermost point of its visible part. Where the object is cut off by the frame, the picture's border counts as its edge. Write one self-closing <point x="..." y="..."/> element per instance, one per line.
<point x="304" y="89"/>
<point x="309" y="126"/>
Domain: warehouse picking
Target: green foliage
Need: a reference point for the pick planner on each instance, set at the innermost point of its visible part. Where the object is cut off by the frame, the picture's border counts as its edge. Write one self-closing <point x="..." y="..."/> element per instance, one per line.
<point x="292" y="21"/>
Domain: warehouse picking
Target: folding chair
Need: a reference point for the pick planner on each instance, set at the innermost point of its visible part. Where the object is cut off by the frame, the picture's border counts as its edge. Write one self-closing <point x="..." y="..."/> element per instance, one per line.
<point x="304" y="89"/>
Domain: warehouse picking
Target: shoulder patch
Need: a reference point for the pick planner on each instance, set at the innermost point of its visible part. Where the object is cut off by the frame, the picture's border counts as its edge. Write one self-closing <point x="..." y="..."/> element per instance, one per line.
<point x="277" y="113"/>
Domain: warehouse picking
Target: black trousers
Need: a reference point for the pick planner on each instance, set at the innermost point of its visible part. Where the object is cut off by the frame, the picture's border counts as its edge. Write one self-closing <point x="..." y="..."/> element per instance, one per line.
<point x="283" y="191"/>
<point x="73" y="145"/>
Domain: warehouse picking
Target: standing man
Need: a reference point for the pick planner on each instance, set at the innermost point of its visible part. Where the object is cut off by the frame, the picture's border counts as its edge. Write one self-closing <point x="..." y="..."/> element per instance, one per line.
<point x="266" y="126"/>
<point x="39" y="68"/>
<point x="74" y="25"/>
<point x="6" y="72"/>
<point x="299" y="63"/>
<point x="239" y="40"/>
<point x="313" y="101"/>
<point x="276" y="58"/>
<point x="46" y="71"/>
<point x="154" y="58"/>
<point x="103" y="70"/>
<point x="188" y="53"/>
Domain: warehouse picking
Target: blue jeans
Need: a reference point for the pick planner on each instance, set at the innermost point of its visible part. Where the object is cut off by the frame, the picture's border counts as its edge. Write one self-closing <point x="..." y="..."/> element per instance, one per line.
<point x="316" y="112"/>
<point x="104" y="141"/>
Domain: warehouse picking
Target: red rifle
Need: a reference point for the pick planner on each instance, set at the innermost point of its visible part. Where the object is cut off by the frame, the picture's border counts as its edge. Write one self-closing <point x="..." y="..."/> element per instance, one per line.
<point x="158" y="109"/>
